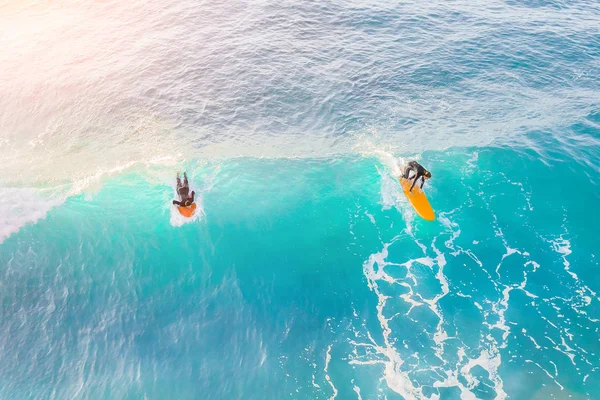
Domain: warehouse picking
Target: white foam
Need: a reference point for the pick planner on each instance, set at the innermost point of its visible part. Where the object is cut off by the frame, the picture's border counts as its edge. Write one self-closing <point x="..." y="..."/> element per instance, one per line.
<point x="535" y="265"/>
<point x="584" y="294"/>
<point x="547" y="373"/>
<point x="537" y="346"/>
<point x="313" y="382"/>
<point x="450" y="226"/>
<point x="21" y="206"/>
<point x="563" y="247"/>
<point x="408" y="297"/>
<point x="24" y="205"/>
<point x="489" y="360"/>
<point x="371" y="218"/>
<point x="379" y="260"/>
<point x="391" y="190"/>
<point x="396" y="379"/>
<point x="440" y="335"/>
<point x="387" y="354"/>
<point x="327" y="378"/>
<point x="472" y="163"/>
<point x="357" y="391"/>
<point x="385" y="157"/>
<point x="509" y="251"/>
<point x="499" y="309"/>
<point x="391" y="194"/>
<point x="452" y="381"/>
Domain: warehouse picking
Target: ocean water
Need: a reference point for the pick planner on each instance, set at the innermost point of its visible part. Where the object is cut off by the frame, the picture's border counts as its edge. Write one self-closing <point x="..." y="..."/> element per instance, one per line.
<point x="305" y="273"/>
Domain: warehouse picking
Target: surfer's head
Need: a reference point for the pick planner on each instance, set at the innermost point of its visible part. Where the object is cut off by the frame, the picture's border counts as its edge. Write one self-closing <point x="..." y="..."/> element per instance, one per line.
<point x="427" y="174"/>
<point x="187" y="203"/>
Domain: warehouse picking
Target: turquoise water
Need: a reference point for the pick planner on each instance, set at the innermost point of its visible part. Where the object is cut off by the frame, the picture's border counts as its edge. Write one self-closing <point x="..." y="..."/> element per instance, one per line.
<point x="305" y="273"/>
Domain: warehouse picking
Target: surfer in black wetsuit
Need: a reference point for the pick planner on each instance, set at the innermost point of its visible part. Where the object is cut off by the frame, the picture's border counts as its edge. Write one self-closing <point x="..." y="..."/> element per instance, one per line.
<point x="419" y="172"/>
<point x="183" y="189"/>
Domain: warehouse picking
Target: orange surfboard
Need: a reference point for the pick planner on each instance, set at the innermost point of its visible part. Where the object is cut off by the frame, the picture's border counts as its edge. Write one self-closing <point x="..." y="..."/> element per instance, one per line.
<point x="187" y="211"/>
<point x="418" y="200"/>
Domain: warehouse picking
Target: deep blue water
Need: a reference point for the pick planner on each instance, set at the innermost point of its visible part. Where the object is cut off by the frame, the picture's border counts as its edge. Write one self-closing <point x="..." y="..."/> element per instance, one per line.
<point x="305" y="273"/>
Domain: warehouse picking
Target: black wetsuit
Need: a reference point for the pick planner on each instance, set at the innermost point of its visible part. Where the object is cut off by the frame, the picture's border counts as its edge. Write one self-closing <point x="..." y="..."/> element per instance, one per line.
<point x="419" y="171"/>
<point x="183" y="189"/>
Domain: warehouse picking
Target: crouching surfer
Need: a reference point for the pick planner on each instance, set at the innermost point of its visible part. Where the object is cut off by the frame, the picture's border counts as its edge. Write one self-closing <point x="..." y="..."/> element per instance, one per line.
<point x="418" y="173"/>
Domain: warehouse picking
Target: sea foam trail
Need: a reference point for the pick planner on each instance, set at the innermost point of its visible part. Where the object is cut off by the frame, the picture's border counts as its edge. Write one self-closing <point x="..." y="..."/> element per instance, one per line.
<point x="396" y="376"/>
<point x="20" y="206"/>
<point x="396" y="379"/>
<point x="460" y="361"/>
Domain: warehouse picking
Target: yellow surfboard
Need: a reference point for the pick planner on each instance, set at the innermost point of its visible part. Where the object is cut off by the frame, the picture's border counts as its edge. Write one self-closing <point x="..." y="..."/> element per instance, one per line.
<point x="418" y="200"/>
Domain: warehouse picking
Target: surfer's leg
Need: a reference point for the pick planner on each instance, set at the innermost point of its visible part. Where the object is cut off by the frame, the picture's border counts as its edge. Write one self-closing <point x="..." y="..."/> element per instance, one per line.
<point x="178" y="181"/>
<point x="185" y="180"/>
<point x="414" y="181"/>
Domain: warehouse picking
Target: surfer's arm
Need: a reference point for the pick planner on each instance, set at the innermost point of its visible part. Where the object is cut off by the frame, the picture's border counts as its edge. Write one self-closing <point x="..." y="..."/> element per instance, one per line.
<point x="422" y="182"/>
<point x="193" y="193"/>
<point x="175" y="202"/>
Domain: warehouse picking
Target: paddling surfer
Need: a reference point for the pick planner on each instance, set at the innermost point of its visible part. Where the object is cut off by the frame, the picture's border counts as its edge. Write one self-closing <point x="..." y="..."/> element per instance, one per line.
<point x="183" y="189"/>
